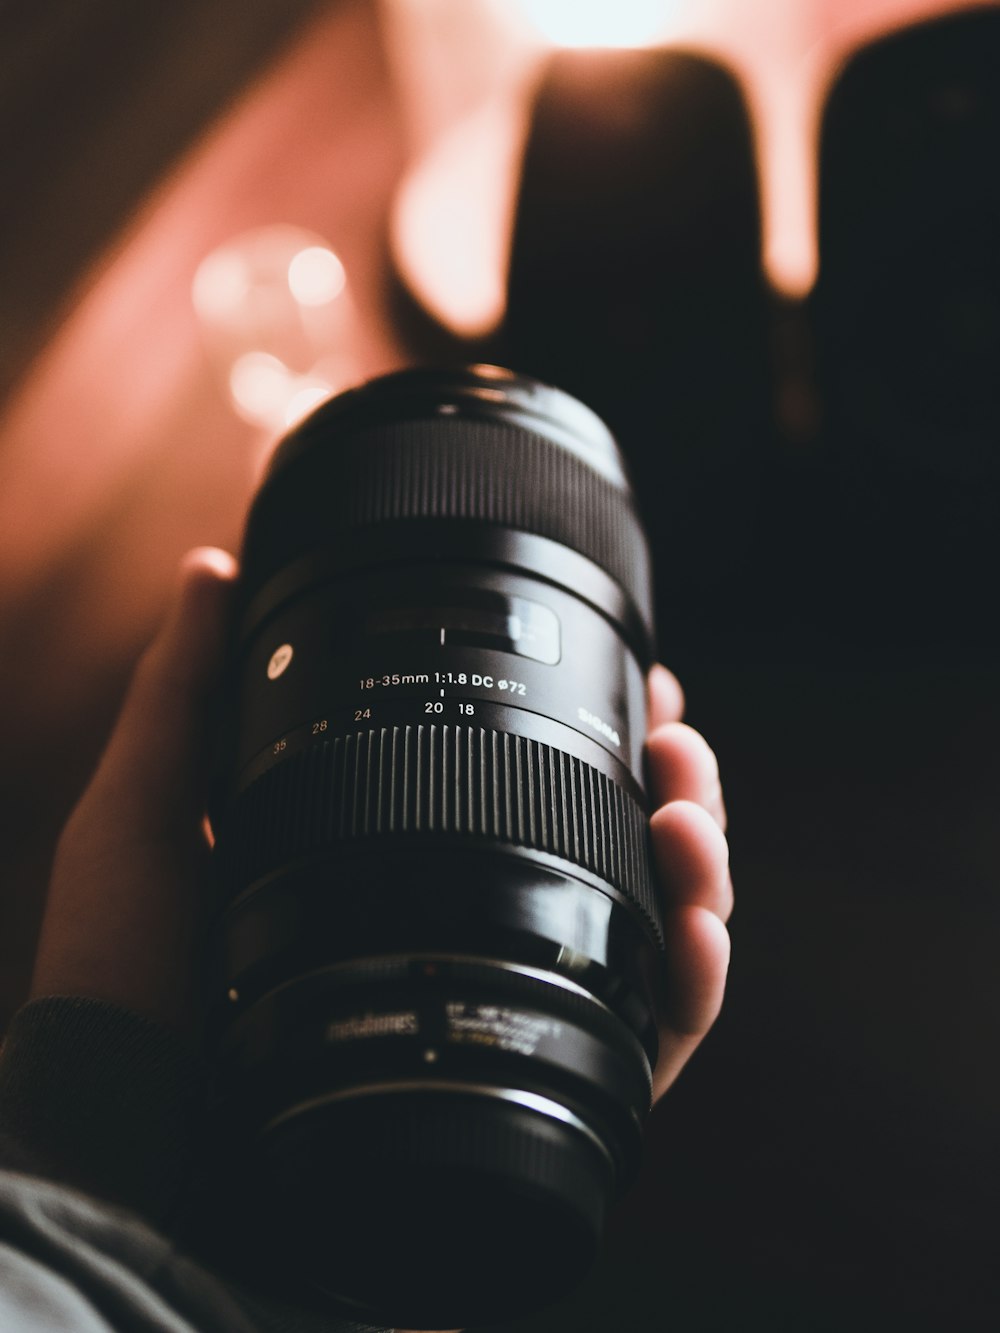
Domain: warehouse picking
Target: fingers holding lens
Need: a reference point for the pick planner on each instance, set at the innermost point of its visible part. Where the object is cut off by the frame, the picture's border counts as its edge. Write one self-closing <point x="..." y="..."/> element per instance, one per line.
<point x="697" y="962"/>
<point x="682" y="767"/>
<point x="691" y="856"/>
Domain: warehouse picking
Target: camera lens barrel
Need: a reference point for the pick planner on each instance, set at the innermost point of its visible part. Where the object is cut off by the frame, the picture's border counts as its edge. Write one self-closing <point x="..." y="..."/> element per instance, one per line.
<point x="438" y="955"/>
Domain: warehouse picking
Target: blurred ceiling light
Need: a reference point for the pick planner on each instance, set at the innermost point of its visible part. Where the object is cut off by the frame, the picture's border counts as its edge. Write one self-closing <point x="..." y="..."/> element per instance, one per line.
<point x="453" y="214"/>
<point x="260" y="385"/>
<point x="308" y="394"/>
<point x="598" y="23"/>
<point x="278" y="322"/>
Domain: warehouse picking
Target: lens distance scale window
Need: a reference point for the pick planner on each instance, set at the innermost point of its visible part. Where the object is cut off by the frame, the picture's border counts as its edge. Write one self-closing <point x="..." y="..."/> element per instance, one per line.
<point x="522" y="657"/>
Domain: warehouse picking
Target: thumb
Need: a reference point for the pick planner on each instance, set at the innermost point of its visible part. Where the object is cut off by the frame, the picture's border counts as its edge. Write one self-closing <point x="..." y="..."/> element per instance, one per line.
<point x="152" y="769"/>
<point x="124" y="912"/>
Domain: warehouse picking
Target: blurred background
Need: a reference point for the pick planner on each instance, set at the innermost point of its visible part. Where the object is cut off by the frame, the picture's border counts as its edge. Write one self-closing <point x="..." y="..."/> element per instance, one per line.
<point x="763" y="241"/>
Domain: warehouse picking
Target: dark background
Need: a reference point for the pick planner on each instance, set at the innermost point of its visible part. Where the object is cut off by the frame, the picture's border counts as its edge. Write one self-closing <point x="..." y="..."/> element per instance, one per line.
<point x="820" y="478"/>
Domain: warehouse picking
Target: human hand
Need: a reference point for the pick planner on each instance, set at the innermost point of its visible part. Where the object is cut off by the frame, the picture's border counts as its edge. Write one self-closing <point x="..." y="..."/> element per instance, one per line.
<point x="125" y="907"/>
<point x="125" y="913"/>
<point x="691" y="859"/>
<point x="126" y="902"/>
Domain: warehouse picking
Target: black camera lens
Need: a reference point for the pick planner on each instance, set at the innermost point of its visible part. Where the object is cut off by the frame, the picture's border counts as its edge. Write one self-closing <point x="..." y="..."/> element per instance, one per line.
<point x="439" y="955"/>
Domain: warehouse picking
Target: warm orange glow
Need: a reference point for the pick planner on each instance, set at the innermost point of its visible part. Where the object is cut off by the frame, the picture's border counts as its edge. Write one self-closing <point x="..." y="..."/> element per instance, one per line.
<point x="277" y="322"/>
<point x="123" y="405"/>
<point x="452" y="217"/>
<point x="452" y="221"/>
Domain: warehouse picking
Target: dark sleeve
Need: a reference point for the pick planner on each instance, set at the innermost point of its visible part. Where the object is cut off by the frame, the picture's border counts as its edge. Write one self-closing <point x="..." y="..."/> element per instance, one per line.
<point x="98" y="1098"/>
<point x="99" y="1109"/>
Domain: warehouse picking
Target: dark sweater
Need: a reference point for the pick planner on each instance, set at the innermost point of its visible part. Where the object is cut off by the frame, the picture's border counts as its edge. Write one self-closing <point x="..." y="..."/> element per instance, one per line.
<point x="99" y="1113"/>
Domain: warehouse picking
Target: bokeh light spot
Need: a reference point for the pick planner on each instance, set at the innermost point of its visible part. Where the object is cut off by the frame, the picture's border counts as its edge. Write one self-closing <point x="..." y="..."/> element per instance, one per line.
<point x="316" y="276"/>
<point x="220" y="284"/>
<point x="303" y="400"/>
<point x="259" y="384"/>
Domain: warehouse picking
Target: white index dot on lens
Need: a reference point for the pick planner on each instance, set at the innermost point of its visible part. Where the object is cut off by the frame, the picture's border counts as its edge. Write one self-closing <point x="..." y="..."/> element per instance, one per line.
<point x="280" y="659"/>
<point x="430" y="1055"/>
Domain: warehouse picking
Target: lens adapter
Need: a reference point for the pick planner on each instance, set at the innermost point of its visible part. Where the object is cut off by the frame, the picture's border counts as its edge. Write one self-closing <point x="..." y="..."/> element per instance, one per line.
<point x="438" y="952"/>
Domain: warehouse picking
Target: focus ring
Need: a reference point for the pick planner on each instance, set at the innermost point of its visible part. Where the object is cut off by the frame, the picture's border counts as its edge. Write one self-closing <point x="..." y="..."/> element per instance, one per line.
<point x="452" y="468"/>
<point x="440" y="780"/>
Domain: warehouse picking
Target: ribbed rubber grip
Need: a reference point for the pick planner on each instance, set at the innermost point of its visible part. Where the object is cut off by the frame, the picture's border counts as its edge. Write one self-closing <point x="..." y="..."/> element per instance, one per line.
<point x="438" y="779"/>
<point x="456" y="469"/>
<point x="440" y="1131"/>
<point x="486" y="1207"/>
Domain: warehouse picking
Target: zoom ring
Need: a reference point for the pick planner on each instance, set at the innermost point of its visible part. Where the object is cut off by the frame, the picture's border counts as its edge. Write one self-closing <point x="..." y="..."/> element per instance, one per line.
<point x="441" y="780"/>
<point x="454" y="469"/>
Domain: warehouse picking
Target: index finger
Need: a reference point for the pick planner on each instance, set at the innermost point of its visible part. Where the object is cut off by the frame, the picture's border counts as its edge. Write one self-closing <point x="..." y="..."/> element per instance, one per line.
<point x="666" y="698"/>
